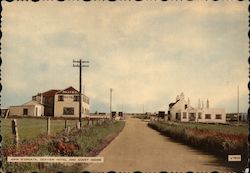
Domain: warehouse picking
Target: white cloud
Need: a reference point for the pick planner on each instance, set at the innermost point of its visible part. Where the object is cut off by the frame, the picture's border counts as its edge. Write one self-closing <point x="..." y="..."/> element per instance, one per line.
<point x="147" y="52"/>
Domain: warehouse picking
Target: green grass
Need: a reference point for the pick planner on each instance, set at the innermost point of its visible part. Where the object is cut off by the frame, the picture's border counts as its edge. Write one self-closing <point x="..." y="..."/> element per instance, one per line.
<point x="90" y="141"/>
<point x="233" y="129"/>
<point x="217" y="139"/>
<point x="29" y="128"/>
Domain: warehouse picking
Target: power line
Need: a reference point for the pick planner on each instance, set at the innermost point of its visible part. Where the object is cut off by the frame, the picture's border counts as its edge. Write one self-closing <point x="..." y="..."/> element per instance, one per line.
<point x="80" y="63"/>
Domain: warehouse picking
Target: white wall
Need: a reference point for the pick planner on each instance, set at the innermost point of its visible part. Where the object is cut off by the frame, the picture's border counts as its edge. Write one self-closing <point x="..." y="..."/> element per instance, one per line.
<point x="213" y="112"/>
<point x="18" y="110"/>
<point x="69" y="102"/>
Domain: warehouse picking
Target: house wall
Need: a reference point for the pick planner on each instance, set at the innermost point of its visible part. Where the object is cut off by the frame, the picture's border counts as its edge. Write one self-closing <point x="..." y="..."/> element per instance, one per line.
<point x="213" y="112"/>
<point x="177" y="108"/>
<point x="48" y="105"/>
<point x="18" y="110"/>
<point x="69" y="102"/>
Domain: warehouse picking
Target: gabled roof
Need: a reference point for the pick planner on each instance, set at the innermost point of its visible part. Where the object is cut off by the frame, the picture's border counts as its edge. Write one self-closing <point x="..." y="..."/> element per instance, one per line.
<point x="172" y="104"/>
<point x="69" y="90"/>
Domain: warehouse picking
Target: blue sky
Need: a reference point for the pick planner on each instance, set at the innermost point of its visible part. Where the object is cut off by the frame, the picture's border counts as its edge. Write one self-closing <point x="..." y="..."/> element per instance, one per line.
<point x="148" y="52"/>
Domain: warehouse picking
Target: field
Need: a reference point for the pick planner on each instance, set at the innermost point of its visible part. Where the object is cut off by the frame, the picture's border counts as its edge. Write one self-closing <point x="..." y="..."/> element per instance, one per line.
<point x="29" y="128"/>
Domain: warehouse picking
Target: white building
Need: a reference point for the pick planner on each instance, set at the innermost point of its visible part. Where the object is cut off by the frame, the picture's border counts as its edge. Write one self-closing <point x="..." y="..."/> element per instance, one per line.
<point x="181" y="110"/>
<point x="66" y="103"/>
<point x="31" y="108"/>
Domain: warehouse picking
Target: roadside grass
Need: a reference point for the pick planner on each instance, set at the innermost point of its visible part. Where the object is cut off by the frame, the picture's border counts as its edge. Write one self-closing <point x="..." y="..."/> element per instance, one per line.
<point x="225" y="128"/>
<point x="219" y="140"/>
<point x="30" y="128"/>
<point x="86" y="142"/>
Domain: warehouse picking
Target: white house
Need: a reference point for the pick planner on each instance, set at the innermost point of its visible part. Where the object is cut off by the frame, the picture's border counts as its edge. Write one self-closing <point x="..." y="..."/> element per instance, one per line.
<point x="66" y="103"/>
<point x="181" y="110"/>
<point x="31" y="108"/>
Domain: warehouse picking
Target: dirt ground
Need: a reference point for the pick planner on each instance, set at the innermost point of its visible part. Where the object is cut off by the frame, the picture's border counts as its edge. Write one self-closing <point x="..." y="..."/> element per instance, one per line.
<point x="140" y="148"/>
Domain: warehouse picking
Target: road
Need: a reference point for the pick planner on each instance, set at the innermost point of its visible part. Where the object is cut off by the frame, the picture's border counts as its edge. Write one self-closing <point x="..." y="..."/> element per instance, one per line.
<point x="141" y="148"/>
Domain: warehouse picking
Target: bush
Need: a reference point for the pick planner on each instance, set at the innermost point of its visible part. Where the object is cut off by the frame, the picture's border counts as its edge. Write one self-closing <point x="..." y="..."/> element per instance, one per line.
<point x="216" y="142"/>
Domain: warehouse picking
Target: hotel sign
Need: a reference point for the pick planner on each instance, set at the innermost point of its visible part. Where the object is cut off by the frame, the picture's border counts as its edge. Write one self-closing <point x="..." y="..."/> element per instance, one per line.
<point x="69" y="92"/>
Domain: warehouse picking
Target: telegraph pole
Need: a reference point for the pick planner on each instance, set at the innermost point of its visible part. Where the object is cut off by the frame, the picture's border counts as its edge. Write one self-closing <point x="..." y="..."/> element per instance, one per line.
<point x="238" y="109"/>
<point x="111" y="90"/>
<point x="80" y="63"/>
<point x="143" y="108"/>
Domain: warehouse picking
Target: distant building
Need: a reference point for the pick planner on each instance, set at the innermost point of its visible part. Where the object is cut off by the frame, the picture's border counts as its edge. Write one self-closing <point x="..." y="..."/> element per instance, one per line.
<point x="31" y="108"/>
<point x="182" y="111"/>
<point x="63" y="103"/>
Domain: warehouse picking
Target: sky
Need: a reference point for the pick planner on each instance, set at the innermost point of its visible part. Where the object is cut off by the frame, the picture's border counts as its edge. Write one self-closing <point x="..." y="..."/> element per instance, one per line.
<point x="148" y="52"/>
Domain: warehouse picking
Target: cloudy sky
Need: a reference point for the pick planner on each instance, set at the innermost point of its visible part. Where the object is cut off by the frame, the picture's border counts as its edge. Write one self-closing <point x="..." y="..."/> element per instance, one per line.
<point x="148" y="52"/>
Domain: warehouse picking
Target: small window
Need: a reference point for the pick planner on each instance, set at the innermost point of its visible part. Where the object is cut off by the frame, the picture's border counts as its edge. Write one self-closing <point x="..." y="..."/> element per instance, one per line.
<point x="218" y="116"/>
<point x="25" y="111"/>
<point x="76" y="98"/>
<point x="184" y="115"/>
<point x="199" y="115"/>
<point x="60" y="98"/>
<point x="68" y="111"/>
<point x="207" y="116"/>
<point x="186" y="106"/>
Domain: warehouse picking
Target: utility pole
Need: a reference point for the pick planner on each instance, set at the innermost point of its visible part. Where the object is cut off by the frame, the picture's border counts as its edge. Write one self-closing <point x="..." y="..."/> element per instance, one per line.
<point x="111" y="90"/>
<point x="80" y="63"/>
<point x="143" y="108"/>
<point x="238" y="109"/>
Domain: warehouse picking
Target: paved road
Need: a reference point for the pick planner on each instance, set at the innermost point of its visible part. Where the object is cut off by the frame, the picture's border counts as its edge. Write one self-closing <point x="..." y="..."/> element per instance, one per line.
<point x="140" y="148"/>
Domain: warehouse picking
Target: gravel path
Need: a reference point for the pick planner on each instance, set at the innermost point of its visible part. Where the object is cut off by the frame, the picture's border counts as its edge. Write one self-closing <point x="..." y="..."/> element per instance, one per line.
<point x="138" y="147"/>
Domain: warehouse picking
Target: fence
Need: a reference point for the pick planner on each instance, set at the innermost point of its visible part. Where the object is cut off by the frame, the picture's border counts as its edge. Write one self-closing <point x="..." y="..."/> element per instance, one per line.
<point x="89" y="121"/>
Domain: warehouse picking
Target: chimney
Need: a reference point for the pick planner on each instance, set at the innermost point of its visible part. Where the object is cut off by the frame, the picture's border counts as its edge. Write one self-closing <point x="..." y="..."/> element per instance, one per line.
<point x="199" y="103"/>
<point x="188" y="101"/>
<point x="207" y="103"/>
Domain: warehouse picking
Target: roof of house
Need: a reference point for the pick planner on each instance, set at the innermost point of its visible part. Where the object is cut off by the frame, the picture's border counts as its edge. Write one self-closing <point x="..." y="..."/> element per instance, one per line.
<point x="32" y="102"/>
<point x="172" y="104"/>
<point x="69" y="90"/>
<point x="50" y="93"/>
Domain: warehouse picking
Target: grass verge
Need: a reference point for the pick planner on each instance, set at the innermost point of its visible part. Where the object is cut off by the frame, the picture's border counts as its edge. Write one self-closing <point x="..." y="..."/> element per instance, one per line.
<point x="86" y="142"/>
<point x="219" y="143"/>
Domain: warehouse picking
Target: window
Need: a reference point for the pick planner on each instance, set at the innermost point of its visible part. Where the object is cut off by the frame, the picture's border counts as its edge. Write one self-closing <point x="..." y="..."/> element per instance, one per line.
<point x="68" y="111"/>
<point x="186" y="106"/>
<point x="218" y="116"/>
<point x="25" y="111"/>
<point x="60" y="98"/>
<point x="184" y="115"/>
<point x="207" y="116"/>
<point x="199" y="115"/>
<point x="76" y="98"/>
<point x="192" y="116"/>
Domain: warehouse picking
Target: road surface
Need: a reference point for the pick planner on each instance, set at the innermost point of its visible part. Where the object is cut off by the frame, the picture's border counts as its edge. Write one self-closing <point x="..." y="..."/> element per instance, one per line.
<point x="141" y="148"/>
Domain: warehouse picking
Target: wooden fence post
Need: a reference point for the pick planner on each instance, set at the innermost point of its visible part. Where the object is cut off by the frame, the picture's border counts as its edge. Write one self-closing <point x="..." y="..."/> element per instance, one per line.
<point x="65" y="124"/>
<point x="68" y="129"/>
<point x="15" y="132"/>
<point x="78" y="125"/>
<point x="48" y="125"/>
